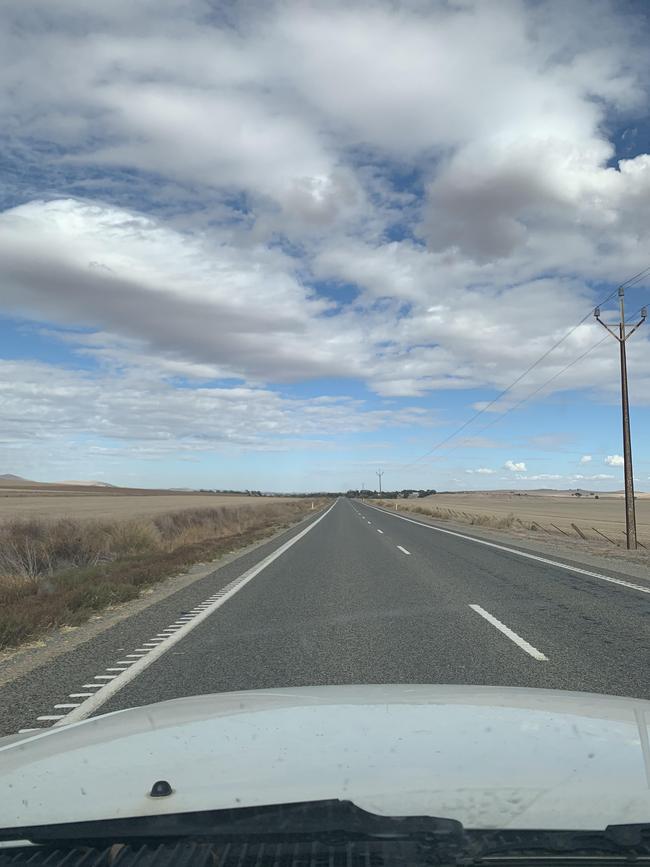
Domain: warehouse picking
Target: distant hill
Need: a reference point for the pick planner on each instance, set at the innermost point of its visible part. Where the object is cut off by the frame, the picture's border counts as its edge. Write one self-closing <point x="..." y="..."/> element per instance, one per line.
<point x="86" y="483"/>
<point x="10" y="477"/>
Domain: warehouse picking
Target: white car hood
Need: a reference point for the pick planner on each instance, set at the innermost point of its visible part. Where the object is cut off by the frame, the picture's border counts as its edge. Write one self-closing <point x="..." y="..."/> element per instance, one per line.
<point x="489" y="757"/>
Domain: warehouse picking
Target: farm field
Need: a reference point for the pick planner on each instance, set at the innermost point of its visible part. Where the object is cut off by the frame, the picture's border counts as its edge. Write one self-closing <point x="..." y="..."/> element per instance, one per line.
<point x="44" y="502"/>
<point x="607" y="513"/>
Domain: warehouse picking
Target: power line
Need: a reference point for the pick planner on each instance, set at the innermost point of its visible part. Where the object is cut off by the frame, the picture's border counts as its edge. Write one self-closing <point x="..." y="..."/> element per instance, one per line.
<point x="634" y="279"/>
<point x="537" y="390"/>
<point x="541" y="387"/>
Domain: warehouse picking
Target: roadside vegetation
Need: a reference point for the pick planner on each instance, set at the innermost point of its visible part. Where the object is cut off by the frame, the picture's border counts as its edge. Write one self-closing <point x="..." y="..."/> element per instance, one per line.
<point x="543" y="527"/>
<point x="497" y="522"/>
<point x="55" y="573"/>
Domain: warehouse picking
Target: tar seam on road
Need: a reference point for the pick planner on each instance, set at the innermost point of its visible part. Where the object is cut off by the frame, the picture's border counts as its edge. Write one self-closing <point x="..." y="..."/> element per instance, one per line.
<point x="517" y="639"/>
<point x="111" y="683"/>
<point x="599" y="575"/>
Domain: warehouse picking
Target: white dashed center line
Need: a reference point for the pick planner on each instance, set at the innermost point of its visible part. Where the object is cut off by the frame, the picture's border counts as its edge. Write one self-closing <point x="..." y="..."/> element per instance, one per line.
<point x="517" y="639"/>
<point x="381" y="531"/>
<point x="403" y="550"/>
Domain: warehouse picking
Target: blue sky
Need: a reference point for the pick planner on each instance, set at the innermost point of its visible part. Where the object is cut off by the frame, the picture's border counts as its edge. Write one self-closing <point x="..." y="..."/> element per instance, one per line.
<point x="320" y="241"/>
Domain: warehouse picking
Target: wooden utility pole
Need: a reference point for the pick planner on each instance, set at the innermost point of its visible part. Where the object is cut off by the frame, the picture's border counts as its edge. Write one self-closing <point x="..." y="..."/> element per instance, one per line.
<point x="622" y="337"/>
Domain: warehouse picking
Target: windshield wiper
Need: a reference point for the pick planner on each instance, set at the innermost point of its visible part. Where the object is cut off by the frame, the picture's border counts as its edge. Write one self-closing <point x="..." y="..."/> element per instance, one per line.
<point x="623" y="840"/>
<point x="335" y="823"/>
<point x="312" y="820"/>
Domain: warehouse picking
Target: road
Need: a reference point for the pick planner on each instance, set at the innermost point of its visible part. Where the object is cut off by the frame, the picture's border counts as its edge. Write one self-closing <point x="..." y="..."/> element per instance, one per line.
<point x="357" y="595"/>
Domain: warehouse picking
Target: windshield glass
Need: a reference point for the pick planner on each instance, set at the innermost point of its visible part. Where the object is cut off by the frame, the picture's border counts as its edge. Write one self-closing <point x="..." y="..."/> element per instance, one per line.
<point x="326" y="371"/>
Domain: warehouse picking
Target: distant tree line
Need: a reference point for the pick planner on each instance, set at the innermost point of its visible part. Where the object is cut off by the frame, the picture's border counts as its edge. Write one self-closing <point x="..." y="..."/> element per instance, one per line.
<point x="231" y="491"/>
<point x="405" y="494"/>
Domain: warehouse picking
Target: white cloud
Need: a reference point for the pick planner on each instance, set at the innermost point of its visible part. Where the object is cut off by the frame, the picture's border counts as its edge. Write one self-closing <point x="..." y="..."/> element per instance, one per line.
<point x="541" y="477"/>
<point x="207" y="306"/>
<point x="585" y="459"/>
<point x="280" y="153"/>
<point x="576" y="477"/>
<point x="136" y="414"/>
<point x="614" y="460"/>
<point x="241" y="310"/>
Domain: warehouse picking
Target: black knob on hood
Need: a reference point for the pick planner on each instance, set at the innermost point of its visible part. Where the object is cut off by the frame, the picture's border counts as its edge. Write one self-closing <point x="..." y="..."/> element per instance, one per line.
<point x="160" y="789"/>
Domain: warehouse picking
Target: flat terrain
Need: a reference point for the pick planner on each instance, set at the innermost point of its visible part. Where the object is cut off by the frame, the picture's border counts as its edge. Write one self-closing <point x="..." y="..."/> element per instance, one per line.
<point x="606" y="513"/>
<point x="357" y="595"/>
<point x="120" y="503"/>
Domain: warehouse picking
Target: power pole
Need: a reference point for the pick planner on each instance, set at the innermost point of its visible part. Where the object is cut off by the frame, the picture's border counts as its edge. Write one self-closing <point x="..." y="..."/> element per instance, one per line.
<point x="379" y="475"/>
<point x="622" y="337"/>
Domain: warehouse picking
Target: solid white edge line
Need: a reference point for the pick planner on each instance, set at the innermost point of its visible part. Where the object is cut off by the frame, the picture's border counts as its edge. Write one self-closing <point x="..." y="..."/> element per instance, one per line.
<point x="403" y="550"/>
<point x="517" y="639"/>
<point x="539" y="559"/>
<point x="86" y="708"/>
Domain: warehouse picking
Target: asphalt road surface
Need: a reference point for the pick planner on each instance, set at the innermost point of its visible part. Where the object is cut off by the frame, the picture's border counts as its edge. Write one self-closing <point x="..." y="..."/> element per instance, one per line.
<point x="357" y="595"/>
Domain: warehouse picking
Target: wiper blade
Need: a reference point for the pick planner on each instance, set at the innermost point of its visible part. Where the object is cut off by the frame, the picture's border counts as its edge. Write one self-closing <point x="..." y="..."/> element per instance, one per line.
<point x="334" y="823"/>
<point x="628" y="840"/>
<point x="328" y="820"/>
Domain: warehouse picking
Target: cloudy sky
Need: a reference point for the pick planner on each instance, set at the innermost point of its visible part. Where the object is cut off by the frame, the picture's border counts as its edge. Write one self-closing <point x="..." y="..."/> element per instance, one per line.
<point x="281" y="244"/>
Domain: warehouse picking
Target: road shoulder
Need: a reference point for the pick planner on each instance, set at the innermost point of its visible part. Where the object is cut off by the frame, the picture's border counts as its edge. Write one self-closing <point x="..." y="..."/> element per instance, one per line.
<point x="20" y="661"/>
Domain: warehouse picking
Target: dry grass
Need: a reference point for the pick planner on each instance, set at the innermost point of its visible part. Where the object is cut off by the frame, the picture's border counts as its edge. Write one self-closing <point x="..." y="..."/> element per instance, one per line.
<point x="501" y="522"/>
<point x="119" y="504"/>
<point x="597" y="520"/>
<point x="496" y="522"/>
<point x="607" y="513"/>
<point x="60" y="572"/>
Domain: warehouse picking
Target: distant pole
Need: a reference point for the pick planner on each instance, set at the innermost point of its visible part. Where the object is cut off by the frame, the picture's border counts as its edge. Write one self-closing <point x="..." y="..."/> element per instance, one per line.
<point x="622" y="337"/>
<point x="379" y="475"/>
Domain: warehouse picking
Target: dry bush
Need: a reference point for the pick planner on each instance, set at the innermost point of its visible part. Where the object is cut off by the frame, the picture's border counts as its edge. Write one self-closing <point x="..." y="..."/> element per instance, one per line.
<point x="59" y="572"/>
<point x="496" y="522"/>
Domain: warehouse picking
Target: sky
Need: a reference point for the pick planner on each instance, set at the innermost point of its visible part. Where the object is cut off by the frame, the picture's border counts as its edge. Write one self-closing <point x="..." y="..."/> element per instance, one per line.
<point x="282" y="245"/>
